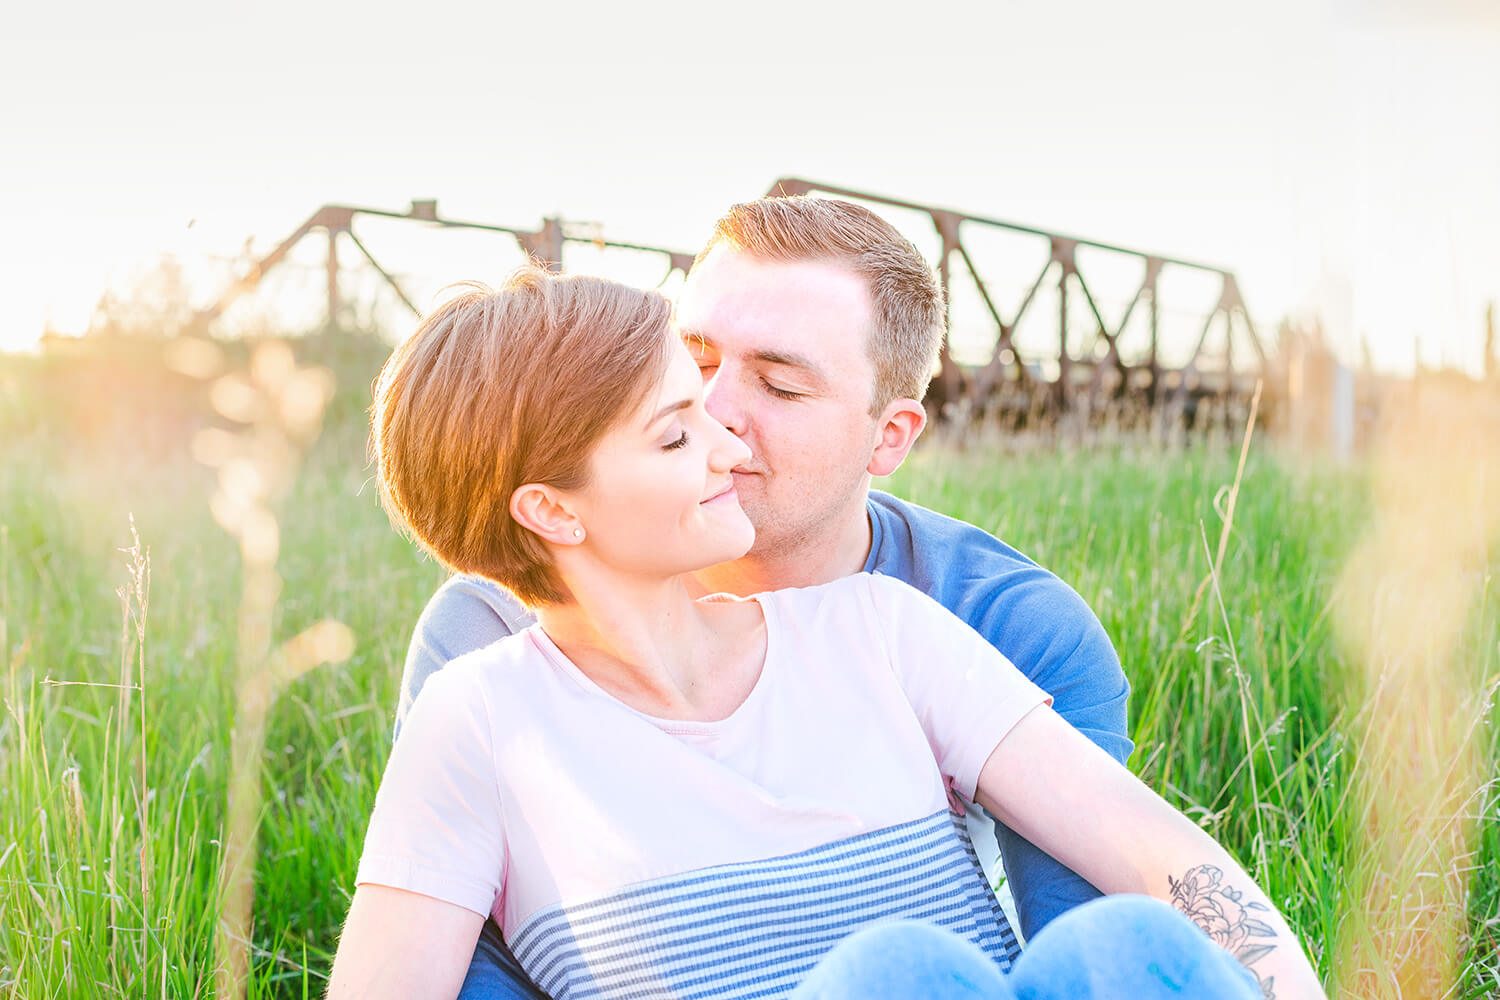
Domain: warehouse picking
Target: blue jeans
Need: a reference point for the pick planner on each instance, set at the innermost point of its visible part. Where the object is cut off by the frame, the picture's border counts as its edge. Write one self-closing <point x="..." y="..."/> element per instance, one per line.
<point x="1130" y="947"/>
<point x="494" y="973"/>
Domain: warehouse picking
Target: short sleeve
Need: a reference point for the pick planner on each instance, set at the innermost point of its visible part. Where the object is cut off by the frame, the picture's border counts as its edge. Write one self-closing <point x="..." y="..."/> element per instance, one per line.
<point x="966" y="695"/>
<point x="466" y="613"/>
<point x="436" y="828"/>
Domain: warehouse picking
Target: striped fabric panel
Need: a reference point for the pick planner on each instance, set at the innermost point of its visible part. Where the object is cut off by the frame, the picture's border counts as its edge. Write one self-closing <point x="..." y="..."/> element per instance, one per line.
<point x="755" y="929"/>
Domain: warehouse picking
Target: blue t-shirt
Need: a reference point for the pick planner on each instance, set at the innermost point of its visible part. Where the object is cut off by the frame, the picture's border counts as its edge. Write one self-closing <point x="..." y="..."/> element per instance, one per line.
<point x="1027" y="613"/>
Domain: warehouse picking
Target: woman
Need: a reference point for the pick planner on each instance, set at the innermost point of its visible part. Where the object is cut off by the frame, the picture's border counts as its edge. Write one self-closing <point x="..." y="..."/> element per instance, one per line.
<point x="765" y="777"/>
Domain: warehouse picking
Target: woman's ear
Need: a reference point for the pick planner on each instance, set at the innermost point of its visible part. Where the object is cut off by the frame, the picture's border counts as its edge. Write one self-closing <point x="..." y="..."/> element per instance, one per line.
<point x="543" y="511"/>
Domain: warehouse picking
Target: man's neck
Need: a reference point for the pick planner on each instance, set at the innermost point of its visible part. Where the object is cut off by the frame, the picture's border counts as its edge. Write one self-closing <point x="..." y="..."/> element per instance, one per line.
<point x="840" y="551"/>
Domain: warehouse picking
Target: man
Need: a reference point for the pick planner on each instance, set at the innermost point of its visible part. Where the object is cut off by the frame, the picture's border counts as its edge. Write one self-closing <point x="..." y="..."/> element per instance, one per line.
<point x="816" y="326"/>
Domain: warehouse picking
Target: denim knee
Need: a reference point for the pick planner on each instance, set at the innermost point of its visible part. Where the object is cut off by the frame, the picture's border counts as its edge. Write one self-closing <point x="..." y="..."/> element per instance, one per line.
<point x="901" y="959"/>
<point x="1127" y="916"/>
<point x="1128" y="946"/>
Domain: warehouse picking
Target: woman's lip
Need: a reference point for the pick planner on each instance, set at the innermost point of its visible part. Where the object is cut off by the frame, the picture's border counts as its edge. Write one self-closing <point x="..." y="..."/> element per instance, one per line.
<point x="726" y="491"/>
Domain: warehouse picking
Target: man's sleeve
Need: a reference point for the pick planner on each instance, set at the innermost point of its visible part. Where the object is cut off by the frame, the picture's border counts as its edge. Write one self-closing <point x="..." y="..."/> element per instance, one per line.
<point x="1052" y="636"/>
<point x="466" y="613"/>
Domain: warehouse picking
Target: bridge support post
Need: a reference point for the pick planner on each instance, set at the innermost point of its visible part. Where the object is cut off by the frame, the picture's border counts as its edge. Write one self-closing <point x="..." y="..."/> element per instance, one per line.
<point x="333" y="278"/>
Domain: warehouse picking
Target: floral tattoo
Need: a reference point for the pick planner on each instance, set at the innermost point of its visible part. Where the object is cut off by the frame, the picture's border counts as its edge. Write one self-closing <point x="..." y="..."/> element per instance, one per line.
<point x="1223" y="914"/>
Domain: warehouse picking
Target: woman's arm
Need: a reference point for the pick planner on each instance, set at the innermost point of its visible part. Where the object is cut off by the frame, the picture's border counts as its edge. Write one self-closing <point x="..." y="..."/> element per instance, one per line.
<point x="1061" y="792"/>
<point x="402" y="944"/>
<point x="434" y="854"/>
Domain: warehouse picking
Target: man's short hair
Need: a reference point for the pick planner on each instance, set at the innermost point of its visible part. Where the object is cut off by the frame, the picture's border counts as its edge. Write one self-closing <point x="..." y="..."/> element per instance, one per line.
<point x="909" y="316"/>
<point x="499" y="388"/>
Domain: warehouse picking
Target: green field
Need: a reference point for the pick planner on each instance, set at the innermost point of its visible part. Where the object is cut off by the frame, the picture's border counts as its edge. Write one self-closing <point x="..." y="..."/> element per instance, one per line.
<point x="1246" y="708"/>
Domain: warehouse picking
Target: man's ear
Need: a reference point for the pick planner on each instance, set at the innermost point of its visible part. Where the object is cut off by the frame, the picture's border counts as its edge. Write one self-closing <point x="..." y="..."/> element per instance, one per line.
<point x="543" y="511"/>
<point x="901" y="423"/>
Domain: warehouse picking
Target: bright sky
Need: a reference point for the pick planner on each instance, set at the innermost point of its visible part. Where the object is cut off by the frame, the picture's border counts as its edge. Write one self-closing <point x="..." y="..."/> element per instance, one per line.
<point x="1342" y="157"/>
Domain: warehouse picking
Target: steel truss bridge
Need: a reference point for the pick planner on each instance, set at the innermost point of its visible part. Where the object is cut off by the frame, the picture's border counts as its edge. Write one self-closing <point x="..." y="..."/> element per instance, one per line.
<point x="1068" y="377"/>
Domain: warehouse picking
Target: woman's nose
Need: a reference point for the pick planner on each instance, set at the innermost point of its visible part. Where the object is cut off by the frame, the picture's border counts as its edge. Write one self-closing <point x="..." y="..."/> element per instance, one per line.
<point x="728" y="450"/>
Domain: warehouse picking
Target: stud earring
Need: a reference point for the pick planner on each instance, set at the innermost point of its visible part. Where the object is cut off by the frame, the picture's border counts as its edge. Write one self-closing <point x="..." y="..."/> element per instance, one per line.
<point x="577" y="532"/>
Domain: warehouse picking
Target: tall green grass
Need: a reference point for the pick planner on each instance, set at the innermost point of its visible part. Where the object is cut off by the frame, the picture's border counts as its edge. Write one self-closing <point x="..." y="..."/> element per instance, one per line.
<point x="1241" y="714"/>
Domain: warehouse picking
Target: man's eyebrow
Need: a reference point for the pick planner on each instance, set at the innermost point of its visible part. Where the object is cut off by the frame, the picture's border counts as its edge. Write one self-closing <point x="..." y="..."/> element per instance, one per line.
<point x="681" y="404"/>
<point x="790" y="359"/>
<point x="769" y="355"/>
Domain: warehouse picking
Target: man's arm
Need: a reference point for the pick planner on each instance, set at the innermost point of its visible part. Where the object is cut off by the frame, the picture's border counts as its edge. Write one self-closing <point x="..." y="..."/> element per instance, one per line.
<point x="466" y="613"/>
<point x="1050" y="634"/>
<point x="1038" y="623"/>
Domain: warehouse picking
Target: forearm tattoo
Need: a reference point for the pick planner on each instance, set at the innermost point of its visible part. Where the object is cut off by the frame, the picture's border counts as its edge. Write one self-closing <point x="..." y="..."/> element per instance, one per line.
<point x="1226" y="917"/>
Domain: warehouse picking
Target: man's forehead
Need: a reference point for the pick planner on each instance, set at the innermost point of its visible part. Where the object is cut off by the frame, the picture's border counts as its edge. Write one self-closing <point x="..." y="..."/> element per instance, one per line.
<point x="736" y="302"/>
<point x="725" y="273"/>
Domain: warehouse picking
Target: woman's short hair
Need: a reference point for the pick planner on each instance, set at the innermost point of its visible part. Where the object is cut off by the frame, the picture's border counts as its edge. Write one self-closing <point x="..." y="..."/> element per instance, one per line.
<point x="909" y="315"/>
<point x="499" y="388"/>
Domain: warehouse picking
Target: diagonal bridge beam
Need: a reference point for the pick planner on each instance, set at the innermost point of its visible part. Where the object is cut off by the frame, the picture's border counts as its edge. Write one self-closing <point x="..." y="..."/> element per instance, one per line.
<point x="977" y="386"/>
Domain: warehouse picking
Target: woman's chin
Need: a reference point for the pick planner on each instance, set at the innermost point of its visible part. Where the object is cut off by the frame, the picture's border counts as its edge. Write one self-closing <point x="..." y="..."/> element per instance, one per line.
<point x="747" y="537"/>
<point x="730" y="545"/>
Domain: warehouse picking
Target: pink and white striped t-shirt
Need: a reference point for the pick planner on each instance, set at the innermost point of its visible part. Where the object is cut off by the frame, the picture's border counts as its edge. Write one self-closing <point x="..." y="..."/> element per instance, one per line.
<point x="627" y="855"/>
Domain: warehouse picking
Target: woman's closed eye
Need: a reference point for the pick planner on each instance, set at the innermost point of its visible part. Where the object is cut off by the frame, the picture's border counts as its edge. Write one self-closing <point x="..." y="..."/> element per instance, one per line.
<point x="682" y="440"/>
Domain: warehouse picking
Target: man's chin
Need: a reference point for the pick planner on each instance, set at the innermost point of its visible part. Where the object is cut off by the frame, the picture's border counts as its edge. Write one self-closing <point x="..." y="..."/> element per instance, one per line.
<point x="768" y="545"/>
<point x="772" y="536"/>
<point x="755" y="508"/>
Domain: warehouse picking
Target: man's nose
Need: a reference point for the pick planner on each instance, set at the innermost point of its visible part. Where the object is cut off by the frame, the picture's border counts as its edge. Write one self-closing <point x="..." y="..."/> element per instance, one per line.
<point x="722" y="402"/>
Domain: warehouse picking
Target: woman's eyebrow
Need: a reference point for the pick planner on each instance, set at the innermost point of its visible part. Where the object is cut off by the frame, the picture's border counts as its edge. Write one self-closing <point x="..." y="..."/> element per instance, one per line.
<point x="681" y="404"/>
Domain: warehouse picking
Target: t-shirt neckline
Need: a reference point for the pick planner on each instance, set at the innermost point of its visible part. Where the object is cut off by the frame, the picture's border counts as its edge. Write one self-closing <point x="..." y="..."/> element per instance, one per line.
<point x="561" y="662"/>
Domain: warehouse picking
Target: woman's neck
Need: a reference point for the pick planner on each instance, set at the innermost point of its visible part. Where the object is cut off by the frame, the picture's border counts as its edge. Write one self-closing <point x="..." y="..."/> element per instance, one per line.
<point x="840" y="549"/>
<point x="650" y="644"/>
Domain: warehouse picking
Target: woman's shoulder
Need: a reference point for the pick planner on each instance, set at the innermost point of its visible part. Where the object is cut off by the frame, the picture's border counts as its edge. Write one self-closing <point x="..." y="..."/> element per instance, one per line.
<point x="477" y="677"/>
